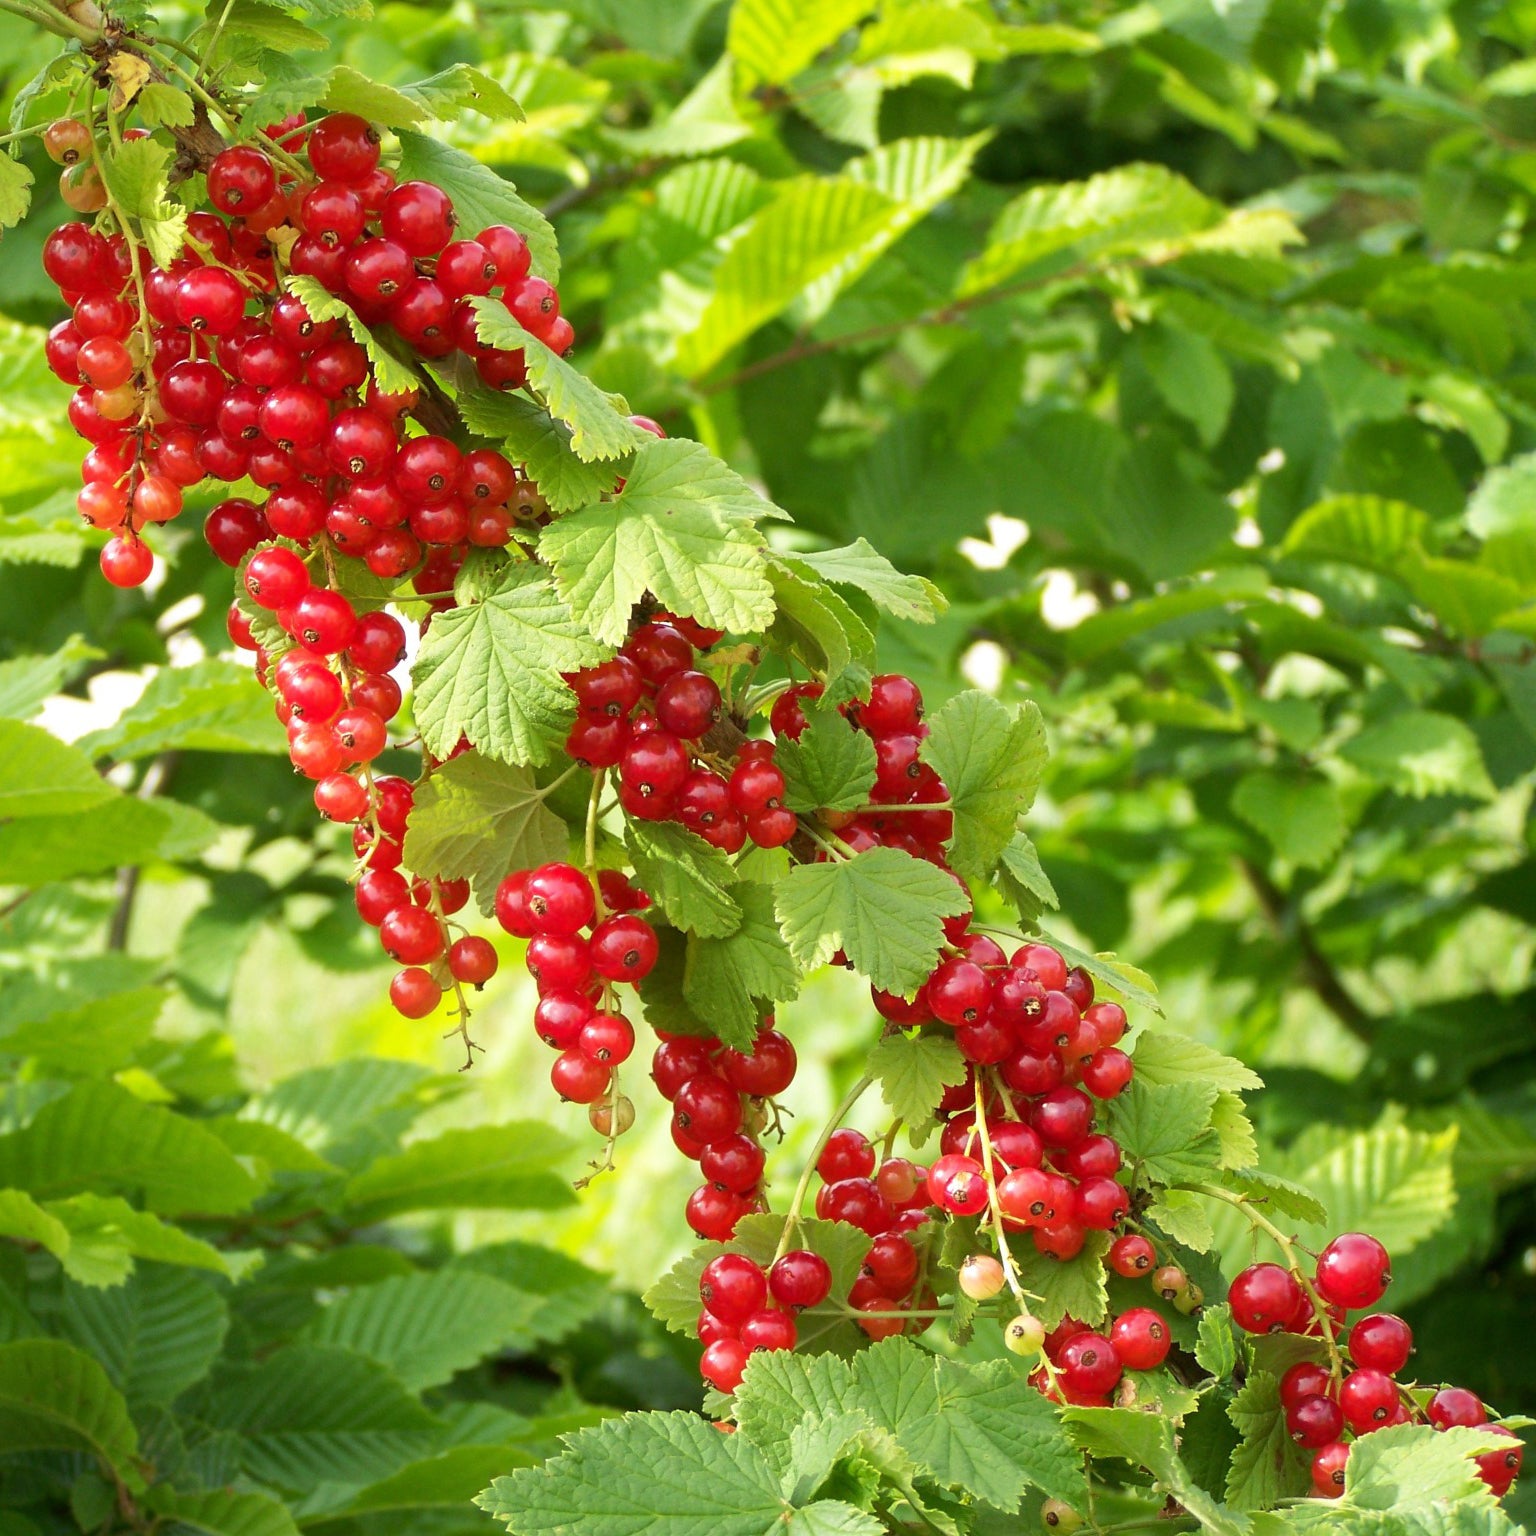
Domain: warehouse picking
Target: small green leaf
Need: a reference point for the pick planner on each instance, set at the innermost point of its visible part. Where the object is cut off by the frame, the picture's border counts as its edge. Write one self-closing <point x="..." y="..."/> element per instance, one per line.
<point x="830" y="767"/>
<point x="861" y="566"/>
<point x="1216" y="1344"/>
<point x="1163" y="1057"/>
<point x="774" y="40"/>
<point x="687" y="878"/>
<point x="490" y="671"/>
<point x="391" y="375"/>
<point x="884" y="908"/>
<point x="1076" y="1287"/>
<point x="1022" y="879"/>
<point x="15" y="191"/>
<point x="1301" y="816"/>
<point x="913" y="1072"/>
<point x="1362" y="530"/>
<point x="162" y="105"/>
<point x="730" y="980"/>
<point x="477" y="819"/>
<point x="991" y="761"/>
<point x="1182" y="1216"/>
<point x="1267" y="1464"/>
<point x="55" y="1397"/>
<point x="1414" y="1465"/>
<point x="41" y="776"/>
<point x="1420" y="752"/>
<point x="223" y="1513"/>
<point x="1276" y="1193"/>
<point x="1167" y="1129"/>
<point x="135" y="173"/>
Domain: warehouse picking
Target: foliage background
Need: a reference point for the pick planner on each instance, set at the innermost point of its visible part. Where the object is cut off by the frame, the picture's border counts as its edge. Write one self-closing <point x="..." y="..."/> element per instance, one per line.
<point x="1220" y="442"/>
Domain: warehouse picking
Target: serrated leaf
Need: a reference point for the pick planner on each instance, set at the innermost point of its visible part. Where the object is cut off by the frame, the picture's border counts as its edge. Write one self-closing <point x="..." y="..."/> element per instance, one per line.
<point x="1182" y="1216"/>
<point x="680" y="530"/>
<point x="1267" y="1464"/>
<point x="349" y="91"/>
<point x="775" y="39"/>
<point x="884" y="908"/>
<point x="729" y="980"/>
<point x="26" y="681"/>
<point x="55" y="1397"/>
<point x="135" y="174"/>
<point x="991" y="761"/>
<point x="310" y="1413"/>
<point x="463" y="88"/>
<point x="687" y="878"/>
<point x="222" y="1513"/>
<point x="1278" y="1194"/>
<point x="1239" y="1147"/>
<point x="106" y="1235"/>
<point x="480" y="197"/>
<point x="478" y="820"/>
<point x="599" y="430"/>
<point x="156" y="1334"/>
<point x="913" y="1071"/>
<point x="1216" y="1344"/>
<point x="1362" y="530"/>
<point x="472" y="1316"/>
<point x="392" y="375"/>
<point x="533" y="438"/>
<point x="491" y="671"/>
<point x="1409" y="1465"/>
<point x="1162" y="1057"/>
<point x="1301" y="816"/>
<point x="487" y="1167"/>
<point x="812" y="622"/>
<point x="41" y="776"/>
<point x="1075" y="1287"/>
<point x="672" y="1471"/>
<point x="830" y="767"/>
<point x="861" y="566"/>
<point x="211" y="706"/>
<point x="1167" y="1128"/>
<point x="1420" y="752"/>
<point x="162" y="105"/>
<point x="1023" y="880"/>
<point x="15" y="191"/>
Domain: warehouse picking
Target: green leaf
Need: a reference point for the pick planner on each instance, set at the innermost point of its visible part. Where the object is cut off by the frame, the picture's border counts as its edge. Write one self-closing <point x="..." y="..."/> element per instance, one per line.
<point x="1267" y="1464"/>
<point x="211" y="706"/>
<point x="729" y="981"/>
<point x="100" y="1137"/>
<point x="1235" y="1135"/>
<point x="27" y="681"/>
<point x="913" y="1072"/>
<point x="680" y="530"/>
<point x="774" y="40"/>
<point x="542" y="445"/>
<point x="1362" y="530"/>
<point x="991" y="761"/>
<point x="463" y="88"/>
<point x="121" y="831"/>
<point x="15" y="191"/>
<point x="1216" y="1344"/>
<point x="471" y="1316"/>
<point x="480" y="197"/>
<point x="392" y="375"/>
<point x="162" y="105"/>
<point x="1167" y="1129"/>
<point x="1163" y="1058"/>
<point x="1420" y="752"/>
<point x="1505" y="502"/>
<point x="491" y="671"/>
<point x="309" y="1414"/>
<point x="223" y="1513"/>
<point x="704" y="121"/>
<point x="831" y="767"/>
<point x="1191" y="377"/>
<point x="1111" y="973"/>
<point x="599" y="429"/>
<point x="106" y="1235"/>
<point x="486" y="1167"/>
<point x="861" y="566"/>
<point x="812" y="622"/>
<point x="687" y="878"/>
<point x="644" y="1471"/>
<point x="23" y="1219"/>
<point x="1124" y="210"/>
<point x="1022" y="879"/>
<point x="1182" y="1216"/>
<point x="445" y="1482"/>
<point x="884" y="908"/>
<point x="1301" y="816"/>
<point x="1414" y="1465"/>
<point x="478" y="820"/>
<point x="1074" y="1287"/>
<point x="1279" y="1194"/>
<point x="135" y="173"/>
<point x="156" y="1334"/>
<point x="55" y="1397"/>
<point x="41" y="776"/>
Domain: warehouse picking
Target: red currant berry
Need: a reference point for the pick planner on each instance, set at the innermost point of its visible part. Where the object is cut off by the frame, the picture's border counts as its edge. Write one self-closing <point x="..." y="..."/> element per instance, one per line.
<point x="578" y="1078"/>
<point x="1090" y="1363"/>
<point x="342" y="147"/>
<point x="767" y="1070"/>
<point x="1453" y="1407"/>
<point x="414" y="993"/>
<point x="1141" y="1339"/>
<point x="734" y="1161"/>
<point x="1382" y="1342"/>
<point x="1353" y="1271"/>
<point x="800" y="1279"/>
<point x="1264" y="1298"/>
<point x="1049" y="968"/>
<point x="894" y="704"/>
<point x="1314" y="1421"/>
<point x="411" y="936"/>
<point x="713" y="1212"/>
<point x="560" y="899"/>
<point x="1106" y="1073"/>
<point x="847" y="1155"/>
<point x="687" y="704"/>
<point x="276" y="578"/>
<point x="733" y="1288"/>
<point x="419" y="217"/>
<point x="723" y="1363"/>
<point x="624" y="949"/>
<point x="707" y="1107"/>
<point x="1368" y="1399"/>
<point x="1328" y="1470"/>
<point x="769" y="1329"/>
<point x="126" y="561"/>
<point x="1132" y="1256"/>
<point x="240" y="180"/>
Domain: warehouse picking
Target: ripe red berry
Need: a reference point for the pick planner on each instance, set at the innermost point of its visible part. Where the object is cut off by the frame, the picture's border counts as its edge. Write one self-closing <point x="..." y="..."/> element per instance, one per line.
<point x="723" y="1363"/>
<point x="472" y="960"/>
<point x="324" y="621"/>
<point x="126" y="561"/>
<point x="707" y="1107"/>
<point x="234" y="528"/>
<point x="1090" y="1362"/>
<point x="608" y="1038"/>
<point x="1049" y="968"/>
<point x="1132" y="1256"/>
<point x="847" y="1155"/>
<point x="713" y="1212"/>
<point x="414" y="993"/>
<point x="1382" y="1342"/>
<point x="342" y="147"/>
<point x="1302" y="1380"/>
<point x="340" y="797"/>
<point x="1062" y="1117"/>
<point x="1368" y="1399"/>
<point x="560" y="900"/>
<point x="735" y="1161"/>
<point x="769" y="1329"/>
<point x="276" y="578"/>
<point x="579" y="1078"/>
<point x="1264" y="1298"/>
<point x="1141" y="1339"/>
<point x="1106" y="1072"/>
<point x="1101" y="1203"/>
<point x="1455" y="1406"/>
<point x="624" y="948"/>
<point x="957" y="1185"/>
<point x="419" y="217"/>
<point x="1353" y="1271"/>
<point x="1314" y="1421"/>
<point x="800" y="1279"/>
<point x="240" y="180"/>
<point x="676" y="1061"/>
<point x="894" y="705"/>
<point x="687" y="704"/>
<point x="411" y="935"/>
<point x="733" y="1287"/>
<point x="1499" y="1469"/>
<point x="764" y="1071"/>
<point x="1328" y="1470"/>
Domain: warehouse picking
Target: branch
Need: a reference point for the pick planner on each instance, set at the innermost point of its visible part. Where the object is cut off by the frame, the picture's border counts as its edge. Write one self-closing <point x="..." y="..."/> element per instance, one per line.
<point x="1286" y="919"/>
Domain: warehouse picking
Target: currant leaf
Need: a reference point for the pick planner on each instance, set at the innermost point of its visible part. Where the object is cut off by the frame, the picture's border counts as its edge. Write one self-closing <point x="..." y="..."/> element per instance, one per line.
<point x="831" y="767"/>
<point x="913" y="1071"/>
<point x="688" y="879"/>
<point x="729" y="979"/>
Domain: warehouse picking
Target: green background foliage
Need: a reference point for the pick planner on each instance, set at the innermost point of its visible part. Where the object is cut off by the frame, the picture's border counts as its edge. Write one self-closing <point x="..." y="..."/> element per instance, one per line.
<point x="1186" y="348"/>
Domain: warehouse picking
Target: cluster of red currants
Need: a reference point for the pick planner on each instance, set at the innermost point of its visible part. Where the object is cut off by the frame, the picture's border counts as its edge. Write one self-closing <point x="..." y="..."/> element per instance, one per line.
<point x="646" y="712"/>
<point x="582" y="943"/>
<point x="1322" y="1404"/>
<point x="202" y="371"/>
<point x="747" y="1309"/>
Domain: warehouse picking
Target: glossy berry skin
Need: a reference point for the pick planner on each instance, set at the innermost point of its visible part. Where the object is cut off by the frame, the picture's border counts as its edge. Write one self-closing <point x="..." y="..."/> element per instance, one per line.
<point x="1141" y="1339"/>
<point x="1353" y="1271"/>
<point x="769" y="1329"/>
<point x="1328" y="1470"/>
<point x="687" y="704"/>
<point x="419" y="217"/>
<point x="713" y="1212"/>
<point x="800" y="1279"/>
<point x="560" y="900"/>
<point x="707" y="1107"/>
<point x="1090" y="1363"/>
<point x="1049" y="968"/>
<point x="276" y="578"/>
<point x="324" y="621"/>
<point x="1382" y="1342"/>
<point x="722" y="1364"/>
<point x="1264" y="1298"/>
<point x="956" y="1184"/>
<point x="1499" y="1469"/>
<point x="1101" y="1203"/>
<point x="1315" y="1421"/>
<point x="894" y="704"/>
<point x="233" y="529"/>
<point x="577" y="1077"/>
<point x="1368" y="1399"/>
<point x="847" y="1155"/>
<point x="767" y="1069"/>
<point x="411" y="936"/>
<point x="1455" y="1406"/>
<point x="624" y="948"/>
<point x="1106" y="1072"/>
<point x="676" y="1061"/>
<point x="733" y="1288"/>
<point x="1132" y="1256"/>
<point x="1063" y="1116"/>
<point x="126" y="562"/>
<point x="414" y="993"/>
<point x="607" y="1038"/>
<point x="240" y="180"/>
<point x="958" y="992"/>
<point x="342" y="147"/>
<point x="735" y="1161"/>
<point x="472" y="960"/>
<point x="1304" y="1379"/>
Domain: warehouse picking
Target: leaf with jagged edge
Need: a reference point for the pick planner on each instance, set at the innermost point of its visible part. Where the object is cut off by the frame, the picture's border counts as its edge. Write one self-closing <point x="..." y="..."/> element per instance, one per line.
<point x="1022" y="879"/>
<point x="490" y="671"/>
<point x="1422" y="752"/>
<point x="687" y="878"/>
<point x="477" y="819"/>
<point x="728" y="980"/>
<point x="1361" y="530"/>
<point x="913" y="1071"/>
<point x="1267" y="1464"/>
<point x="773" y="40"/>
<point x="599" y="428"/>
<point x="814" y="623"/>
<point x="392" y="376"/>
<point x="1075" y="1287"/>
<point x="15" y="191"/>
<point x="1167" y="1129"/>
<point x="1163" y="1057"/>
<point x="830" y="766"/>
<point x="1301" y="816"/>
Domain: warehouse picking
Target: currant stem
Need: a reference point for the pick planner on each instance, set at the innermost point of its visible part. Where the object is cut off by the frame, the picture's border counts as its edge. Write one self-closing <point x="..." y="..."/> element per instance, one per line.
<point x="1287" y="1246"/>
<point x="792" y="1216"/>
<point x="599" y="780"/>
<point x="995" y="1211"/>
